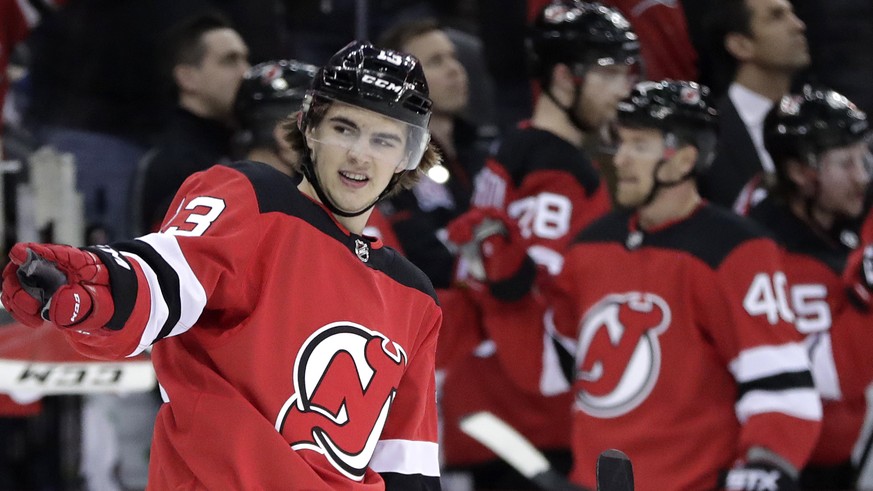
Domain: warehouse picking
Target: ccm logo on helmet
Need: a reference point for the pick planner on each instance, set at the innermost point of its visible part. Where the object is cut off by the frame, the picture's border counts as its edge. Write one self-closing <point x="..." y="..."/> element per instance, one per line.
<point x="381" y="83"/>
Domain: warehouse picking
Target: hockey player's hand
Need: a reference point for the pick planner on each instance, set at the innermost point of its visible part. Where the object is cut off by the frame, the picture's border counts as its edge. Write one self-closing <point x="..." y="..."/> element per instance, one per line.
<point x="759" y="476"/>
<point x="858" y="275"/>
<point x="62" y="284"/>
<point x="488" y="237"/>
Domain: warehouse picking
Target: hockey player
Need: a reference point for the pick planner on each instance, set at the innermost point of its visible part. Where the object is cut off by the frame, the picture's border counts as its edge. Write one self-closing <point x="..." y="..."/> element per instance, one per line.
<point x="583" y="56"/>
<point x="671" y="322"/>
<point x="817" y="140"/>
<point x="292" y="351"/>
<point x="268" y="94"/>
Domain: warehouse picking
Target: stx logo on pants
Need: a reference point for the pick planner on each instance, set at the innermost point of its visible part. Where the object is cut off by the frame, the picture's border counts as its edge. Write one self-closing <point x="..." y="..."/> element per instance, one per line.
<point x="618" y="357"/>
<point x="345" y="379"/>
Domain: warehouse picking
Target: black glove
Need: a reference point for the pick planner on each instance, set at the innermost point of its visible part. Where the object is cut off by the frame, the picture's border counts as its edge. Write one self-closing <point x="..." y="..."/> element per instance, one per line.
<point x="759" y="476"/>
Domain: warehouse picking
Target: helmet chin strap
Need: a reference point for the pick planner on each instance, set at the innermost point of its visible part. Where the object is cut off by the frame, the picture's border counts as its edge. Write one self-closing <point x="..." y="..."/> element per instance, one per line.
<point x="657" y="184"/>
<point x="312" y="177"/>
<point x="570" y="109"/>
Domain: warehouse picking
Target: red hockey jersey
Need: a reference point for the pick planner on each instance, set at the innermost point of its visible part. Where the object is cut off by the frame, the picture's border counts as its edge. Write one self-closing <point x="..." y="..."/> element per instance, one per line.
<point x="837" y="333"/>
<point x="291" y="353"/>
<point x="553" y="191"/>
<point x="683" y="353"/>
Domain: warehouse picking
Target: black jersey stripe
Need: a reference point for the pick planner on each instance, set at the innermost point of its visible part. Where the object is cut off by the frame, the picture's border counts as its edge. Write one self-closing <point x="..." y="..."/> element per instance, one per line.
<point x="123" y="283"/>
<point x="776" y="383"/>
<point x="168" y="280"/>
<point x="395" y="481"/>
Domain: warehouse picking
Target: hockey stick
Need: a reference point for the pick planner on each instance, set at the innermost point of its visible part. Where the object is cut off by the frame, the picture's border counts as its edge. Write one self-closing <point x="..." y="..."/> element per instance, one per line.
<point x="511" y="446"/>
<point x="614" y="471"/>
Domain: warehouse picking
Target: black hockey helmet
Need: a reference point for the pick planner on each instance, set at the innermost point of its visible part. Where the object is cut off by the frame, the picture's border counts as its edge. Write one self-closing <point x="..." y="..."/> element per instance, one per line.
<point x="381" y="80"/>
<point x="580" y="35"/>
<point x="681" y="110"/>
<point x="269" y="92"/>
<point x="803" y="126"/>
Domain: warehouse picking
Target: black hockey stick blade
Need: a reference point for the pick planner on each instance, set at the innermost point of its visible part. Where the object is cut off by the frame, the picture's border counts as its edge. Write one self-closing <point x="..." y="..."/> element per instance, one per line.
<point x="511" y="446"/>
<point x="614" y="471"/>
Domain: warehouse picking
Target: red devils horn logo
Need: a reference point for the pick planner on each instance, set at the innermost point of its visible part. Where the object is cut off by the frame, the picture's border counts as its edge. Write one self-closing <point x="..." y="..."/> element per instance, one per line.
<point x="619" y="354"/>
<point x="345" y="379"/>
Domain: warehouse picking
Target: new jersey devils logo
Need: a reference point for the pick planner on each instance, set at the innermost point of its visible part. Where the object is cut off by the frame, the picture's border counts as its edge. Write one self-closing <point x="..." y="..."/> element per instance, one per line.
<point x="619" y="354"/>
<point x="345" y="379"/>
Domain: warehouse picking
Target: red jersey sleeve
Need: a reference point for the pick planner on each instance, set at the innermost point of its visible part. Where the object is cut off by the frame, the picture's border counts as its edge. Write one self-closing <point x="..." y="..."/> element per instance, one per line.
<point x="764" y="352"/>
<point x="199" y="261"/>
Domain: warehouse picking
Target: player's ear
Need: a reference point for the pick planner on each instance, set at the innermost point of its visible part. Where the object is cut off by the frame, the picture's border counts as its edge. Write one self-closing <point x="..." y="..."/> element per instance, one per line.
<point x="738" y="45"/>
<point x="803" y="177"/>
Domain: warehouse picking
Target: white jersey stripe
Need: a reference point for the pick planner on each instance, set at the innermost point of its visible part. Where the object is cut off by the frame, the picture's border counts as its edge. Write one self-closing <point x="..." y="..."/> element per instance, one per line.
<point x="406" y="457"/>
<point x="767" y="361"/>
<point x="159" y="310"/>
<point x="800" y="403"/>
<point x="191" y="294"/>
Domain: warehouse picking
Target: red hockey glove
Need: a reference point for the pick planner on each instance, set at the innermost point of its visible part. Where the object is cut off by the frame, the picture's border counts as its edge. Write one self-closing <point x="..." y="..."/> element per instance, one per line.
<point x="487" y="234"/>
<point x="495" y="251"/>
<point x="62" y="284"/>
<point x="759" y="476"/>
<point x="858" y="275"/>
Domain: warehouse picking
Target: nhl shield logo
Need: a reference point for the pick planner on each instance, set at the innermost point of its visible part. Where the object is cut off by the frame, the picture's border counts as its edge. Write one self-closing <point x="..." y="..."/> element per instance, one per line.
<point x="362" y="249"/>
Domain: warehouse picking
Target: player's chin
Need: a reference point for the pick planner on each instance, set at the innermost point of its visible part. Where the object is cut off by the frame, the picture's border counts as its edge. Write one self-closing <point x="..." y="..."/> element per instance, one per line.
<point x="628" y="200"/>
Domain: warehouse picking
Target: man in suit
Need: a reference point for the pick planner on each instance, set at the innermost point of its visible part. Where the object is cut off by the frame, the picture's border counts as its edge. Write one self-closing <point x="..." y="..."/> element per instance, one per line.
<point x="763" y="45"/>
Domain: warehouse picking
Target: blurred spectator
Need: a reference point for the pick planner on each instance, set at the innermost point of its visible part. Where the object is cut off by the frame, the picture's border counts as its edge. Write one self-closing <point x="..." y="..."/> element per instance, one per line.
<point x="418" y="214"/>
<point x="96" y="93"/>
<point x="762" y="45"/>
<point x="208" y="59"/>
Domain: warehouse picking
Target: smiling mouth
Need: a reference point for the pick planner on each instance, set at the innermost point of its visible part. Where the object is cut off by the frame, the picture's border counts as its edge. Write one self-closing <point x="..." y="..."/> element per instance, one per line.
<point x="353" y="176"/>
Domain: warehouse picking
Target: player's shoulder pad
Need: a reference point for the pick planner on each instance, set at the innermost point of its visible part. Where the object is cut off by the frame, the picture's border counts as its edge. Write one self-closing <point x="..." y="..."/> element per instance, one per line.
<point x="797" y="237"/>
<point x="401" y="270"/>
<point x="273" y="189"/>
<point x="611" y="227"/>
<point x="711" y="234"/>
<point x="523" y="151"/>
